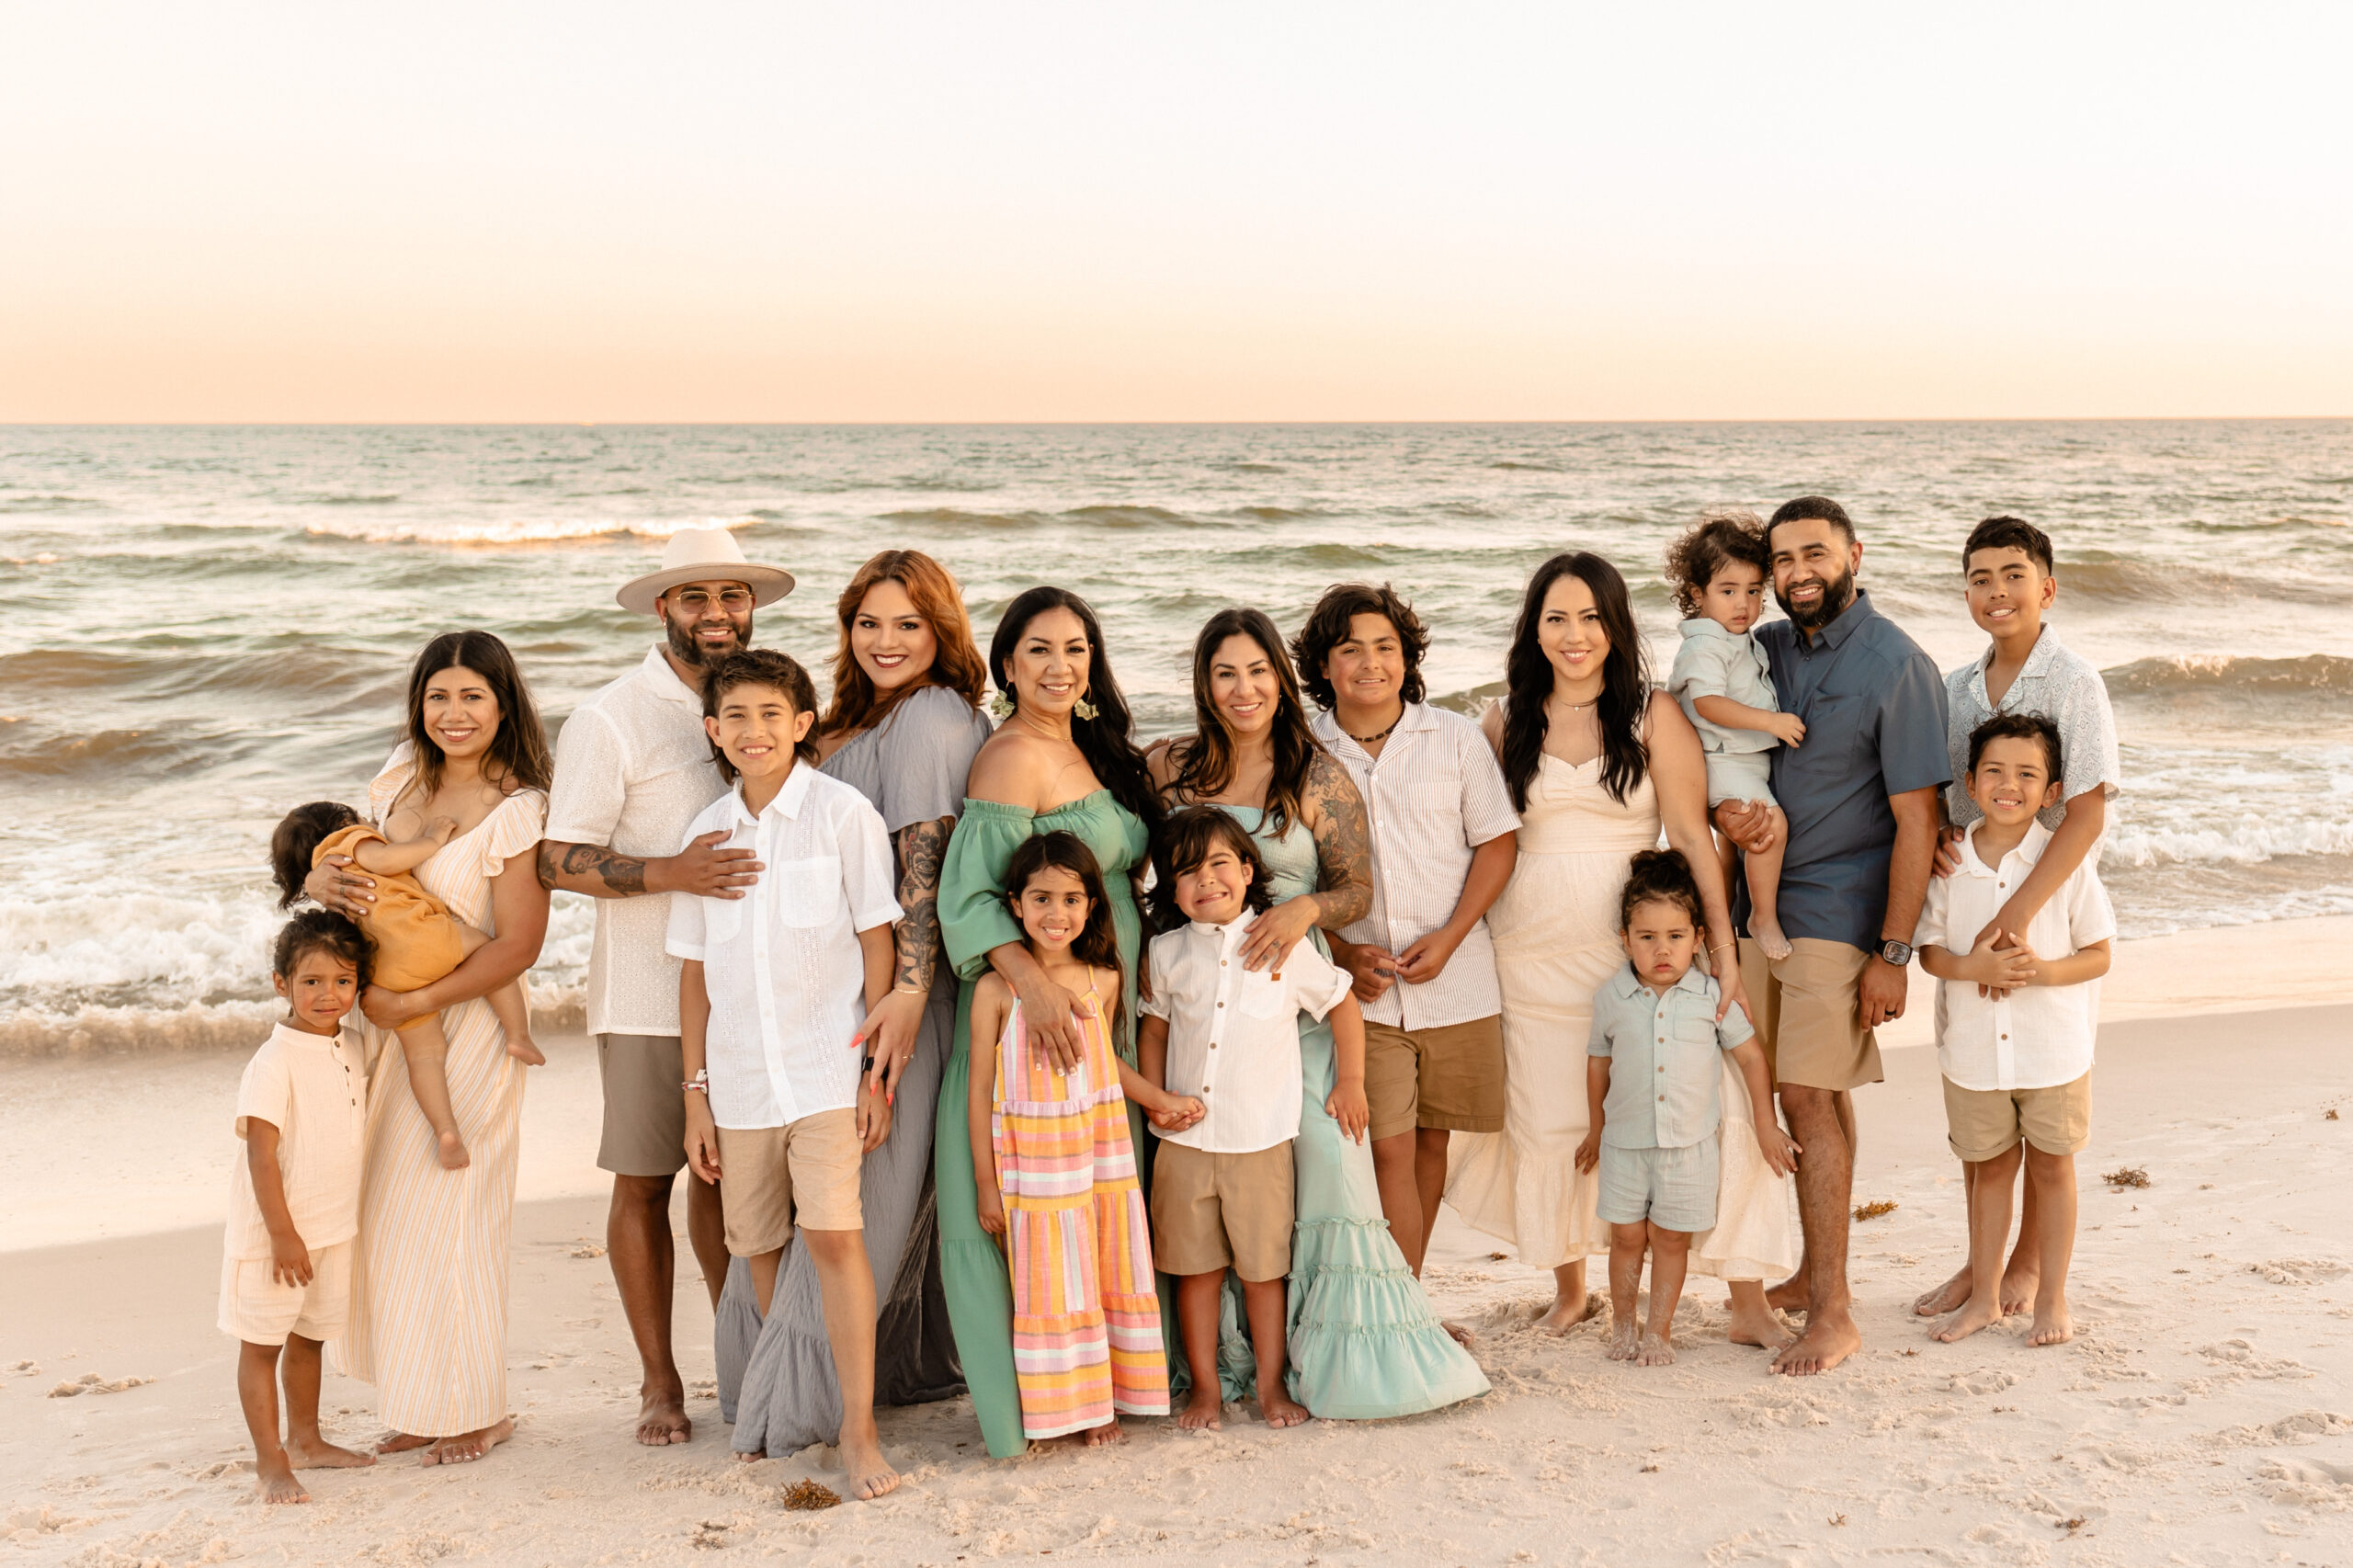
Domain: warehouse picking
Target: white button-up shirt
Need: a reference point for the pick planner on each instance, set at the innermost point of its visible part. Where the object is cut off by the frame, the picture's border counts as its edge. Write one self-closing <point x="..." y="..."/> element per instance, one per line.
<point x="1234" y="1032"/>
<point x="2040" y="1035"/>
<point x="1432" y="796"/>
<point x="782" y="966"/>
<point x="632" y="766"/>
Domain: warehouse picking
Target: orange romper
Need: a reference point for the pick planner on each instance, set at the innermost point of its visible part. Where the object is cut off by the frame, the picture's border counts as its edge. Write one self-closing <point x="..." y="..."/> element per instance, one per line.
<point x="414" y="935"/>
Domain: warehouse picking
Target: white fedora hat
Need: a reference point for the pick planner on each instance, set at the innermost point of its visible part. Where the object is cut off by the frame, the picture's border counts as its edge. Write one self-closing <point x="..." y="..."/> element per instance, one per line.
<point x="703" y="555"/>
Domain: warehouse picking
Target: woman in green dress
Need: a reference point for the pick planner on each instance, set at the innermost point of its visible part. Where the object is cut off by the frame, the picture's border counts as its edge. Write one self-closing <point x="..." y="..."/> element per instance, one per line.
<point x="1062" y="760"/>
<point x="1363" y="1339"/>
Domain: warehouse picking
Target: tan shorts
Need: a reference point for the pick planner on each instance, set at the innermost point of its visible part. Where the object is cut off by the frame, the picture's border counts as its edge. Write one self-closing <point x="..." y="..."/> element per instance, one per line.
<point x="645" y="1109"/>
<point x="259" y="1309"/>
<point x="1809" y="1014"/>
<point x="1985" y="1122"/>
<point x="1216" y="1211"/>
<point x="1449" y="1077"/>
<point x="804" y="1172"/>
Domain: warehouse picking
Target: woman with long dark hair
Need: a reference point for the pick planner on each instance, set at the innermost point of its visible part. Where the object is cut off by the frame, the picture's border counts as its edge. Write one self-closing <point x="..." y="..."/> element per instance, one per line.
<point x="1597" y="763"/>
<point x="1063" y="760"/>
<point x="1363" y="1340"/>
<point x="429" y="1275"/>
<point x="903" y="729"/>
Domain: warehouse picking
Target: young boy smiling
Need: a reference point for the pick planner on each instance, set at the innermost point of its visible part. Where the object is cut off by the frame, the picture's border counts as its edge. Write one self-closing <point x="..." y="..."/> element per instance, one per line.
<point x="772" y="992"/>
<point x="2010" y="580"/>
<point x="2016" y="1011"/>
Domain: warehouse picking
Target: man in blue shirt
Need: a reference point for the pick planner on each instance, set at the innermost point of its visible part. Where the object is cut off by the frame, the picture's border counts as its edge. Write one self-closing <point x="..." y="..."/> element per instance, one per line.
<point x="1860" y="793"/>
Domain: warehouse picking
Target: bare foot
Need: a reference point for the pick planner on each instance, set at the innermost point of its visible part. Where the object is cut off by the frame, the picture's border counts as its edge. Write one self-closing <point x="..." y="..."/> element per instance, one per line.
<point x="662" y="1417"/>
<point x="2019" y="1286"/>
<point x="401" y="1443"/>
<point x="1967" y="1320"/>
<point x="468" y="1447"/>
<point x="1458" y="1332"/>
<point x="1622" y="1341"/>
<point x="1765" y="1330"/>
<point x="2052" y="1323"/>
<point x="521" y="1049"/>
<point x="320" y="1454"/>
<point x="1829" y="1339"/>
<point x="1565" y="1315"/>
<point x="1203" y="1412"/>
<point x="1768" y="937"/>
<point x="1279" y="1410"/>
<point x="870" y="1474"/>
<point x="1946" y="1297"/>
<point x="453" y="1153"/>
<point x="1105" y="1435"/>
<point x="1791" y="1295"/>
<point x="275" y="1482"/>
<point x="1655" y="1352"/>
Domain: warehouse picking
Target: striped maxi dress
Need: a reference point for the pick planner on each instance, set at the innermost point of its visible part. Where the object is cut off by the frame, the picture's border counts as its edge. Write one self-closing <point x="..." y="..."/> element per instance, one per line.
<point x="429" y="1282"/>
<point x="1087" y="1339"/>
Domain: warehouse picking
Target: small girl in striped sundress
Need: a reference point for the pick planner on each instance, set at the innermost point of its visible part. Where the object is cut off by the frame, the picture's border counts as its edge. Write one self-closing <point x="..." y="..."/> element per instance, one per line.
<point x="1056" y="1169"/>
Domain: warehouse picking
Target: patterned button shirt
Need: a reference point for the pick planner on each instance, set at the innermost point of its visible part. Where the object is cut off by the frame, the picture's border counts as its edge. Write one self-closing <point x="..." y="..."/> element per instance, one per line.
<point x="2062" y="686"/>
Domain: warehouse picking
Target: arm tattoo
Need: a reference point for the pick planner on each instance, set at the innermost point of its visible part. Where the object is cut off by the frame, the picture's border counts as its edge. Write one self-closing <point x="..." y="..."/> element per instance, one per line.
<point x="922" y="847"/>
<point x="1343" y="845"/>
<point x="622" y="876"/>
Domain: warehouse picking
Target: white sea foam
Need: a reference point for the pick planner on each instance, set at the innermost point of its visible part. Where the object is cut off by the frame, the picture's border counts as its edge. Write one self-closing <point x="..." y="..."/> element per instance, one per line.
<point x="2248" y="844"/>
<point x="513" y="530"/>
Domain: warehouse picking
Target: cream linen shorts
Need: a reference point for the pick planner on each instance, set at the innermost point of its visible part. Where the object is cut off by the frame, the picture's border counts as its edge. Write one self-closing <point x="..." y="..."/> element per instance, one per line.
<point x="259" y="1309"/>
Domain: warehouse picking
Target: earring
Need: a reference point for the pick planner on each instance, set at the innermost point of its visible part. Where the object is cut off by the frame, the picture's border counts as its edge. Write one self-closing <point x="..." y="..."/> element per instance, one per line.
<point x="1084" y="710"/>
<point x="1001" y="706"/>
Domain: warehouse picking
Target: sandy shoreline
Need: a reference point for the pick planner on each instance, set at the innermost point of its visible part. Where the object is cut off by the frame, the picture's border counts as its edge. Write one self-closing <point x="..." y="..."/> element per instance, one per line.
<point x="2202" y="1415"/>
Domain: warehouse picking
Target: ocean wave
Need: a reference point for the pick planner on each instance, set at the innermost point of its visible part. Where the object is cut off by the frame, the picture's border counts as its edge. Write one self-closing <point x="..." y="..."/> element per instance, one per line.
<point x="51" y="504"/>
<point x="1274" y="514"/>
<point x="1107" y="517"/>
<point x="2250" y="844"/>
<point x="26" y="752"/>
<point x="2326" y="675"/>
<point x="515" y="530"/>
<point x="1528" y="467"/>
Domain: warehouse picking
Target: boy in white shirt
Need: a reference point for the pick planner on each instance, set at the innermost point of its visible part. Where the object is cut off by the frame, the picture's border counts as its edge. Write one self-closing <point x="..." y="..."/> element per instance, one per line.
<point x="1222" y="1186"/>
<point x="2016" y="1016"/>
<point x="771" y="993"/>
<point x="294" y="1200"/>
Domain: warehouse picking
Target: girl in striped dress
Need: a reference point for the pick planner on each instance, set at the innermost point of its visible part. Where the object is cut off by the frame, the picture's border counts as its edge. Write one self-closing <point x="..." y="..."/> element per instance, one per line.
<point x="1056" y="1171"/>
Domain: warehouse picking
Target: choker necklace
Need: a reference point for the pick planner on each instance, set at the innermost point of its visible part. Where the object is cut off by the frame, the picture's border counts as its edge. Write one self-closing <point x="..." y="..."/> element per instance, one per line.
<point x="1376" y="740"/>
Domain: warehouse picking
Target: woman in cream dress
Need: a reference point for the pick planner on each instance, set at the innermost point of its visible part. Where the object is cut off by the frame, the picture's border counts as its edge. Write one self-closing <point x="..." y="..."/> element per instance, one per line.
<point x="1598" y="763"/>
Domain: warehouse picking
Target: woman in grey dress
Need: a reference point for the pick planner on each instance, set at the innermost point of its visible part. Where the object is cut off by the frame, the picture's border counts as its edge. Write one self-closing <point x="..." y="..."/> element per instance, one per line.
<point x="902" y="731"/>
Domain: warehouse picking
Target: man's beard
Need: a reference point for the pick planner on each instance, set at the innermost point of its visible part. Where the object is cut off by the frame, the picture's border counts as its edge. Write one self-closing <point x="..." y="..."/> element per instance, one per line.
<point x="690" y="649"/>
<point x="1837" y="595"/>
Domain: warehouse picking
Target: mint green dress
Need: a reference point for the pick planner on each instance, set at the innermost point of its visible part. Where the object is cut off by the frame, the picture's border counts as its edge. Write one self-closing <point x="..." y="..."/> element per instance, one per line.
<point x="1363" y="1339"/>
<point x="974" y="918"/>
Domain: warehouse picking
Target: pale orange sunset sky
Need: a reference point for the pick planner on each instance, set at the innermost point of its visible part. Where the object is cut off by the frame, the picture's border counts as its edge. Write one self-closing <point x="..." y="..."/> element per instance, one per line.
<point x="876" y="212"/>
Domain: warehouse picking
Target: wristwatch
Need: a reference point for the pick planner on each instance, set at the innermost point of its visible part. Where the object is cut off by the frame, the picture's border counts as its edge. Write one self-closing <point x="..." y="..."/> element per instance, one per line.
<point x="1895" y="952"/>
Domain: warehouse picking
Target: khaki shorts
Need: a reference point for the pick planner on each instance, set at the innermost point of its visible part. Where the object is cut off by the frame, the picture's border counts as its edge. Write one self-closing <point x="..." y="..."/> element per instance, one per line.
<point x="1985" y="1122"/>
<point x="1809" y="1014"/>
<point x="1212" y="1212"/>
<point x="259" y="1309"/>
<point x="645" y="1108"/>
<point x="1449" y="1077"/>
<point x="804" y="1172"/>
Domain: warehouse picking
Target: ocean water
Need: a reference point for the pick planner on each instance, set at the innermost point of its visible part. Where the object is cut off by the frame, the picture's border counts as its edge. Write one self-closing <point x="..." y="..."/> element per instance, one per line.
<point x="202" y="627"/>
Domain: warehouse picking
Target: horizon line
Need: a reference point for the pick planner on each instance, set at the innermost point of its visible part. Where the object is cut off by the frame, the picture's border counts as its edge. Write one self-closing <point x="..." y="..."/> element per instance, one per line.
<point x="1144" y="424"/>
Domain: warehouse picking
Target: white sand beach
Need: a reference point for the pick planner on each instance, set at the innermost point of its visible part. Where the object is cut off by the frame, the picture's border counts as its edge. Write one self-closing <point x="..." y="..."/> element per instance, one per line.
<point x="2203" y="1415"/>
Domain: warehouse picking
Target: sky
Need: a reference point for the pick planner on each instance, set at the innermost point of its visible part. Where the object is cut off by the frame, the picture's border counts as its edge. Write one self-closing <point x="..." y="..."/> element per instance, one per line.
<point x="914" y="213"/>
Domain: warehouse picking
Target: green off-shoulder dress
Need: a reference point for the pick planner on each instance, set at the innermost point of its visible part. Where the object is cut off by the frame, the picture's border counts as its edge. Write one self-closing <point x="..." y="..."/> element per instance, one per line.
<point x="974" y="918"/>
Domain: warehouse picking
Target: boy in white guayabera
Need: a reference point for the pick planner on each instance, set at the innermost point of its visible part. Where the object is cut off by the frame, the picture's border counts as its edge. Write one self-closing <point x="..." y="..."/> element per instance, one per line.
<point x="771" y="991"/>
<point x="2010" y="578"/>
<point x="2016" y="1016"/>
<point x="294" y="1200"/>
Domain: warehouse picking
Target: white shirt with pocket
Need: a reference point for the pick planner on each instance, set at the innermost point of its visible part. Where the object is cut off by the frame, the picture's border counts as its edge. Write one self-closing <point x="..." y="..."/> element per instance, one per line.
<point x="1234" y="1032"/>
<point x="783" y="965"/>
<point x="313" y="1089"/>
<point x="2040" y="1035"/>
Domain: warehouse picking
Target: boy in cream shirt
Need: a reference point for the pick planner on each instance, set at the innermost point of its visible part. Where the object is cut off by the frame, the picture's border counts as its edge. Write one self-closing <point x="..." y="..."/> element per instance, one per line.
<point x="2016" y="1016"/>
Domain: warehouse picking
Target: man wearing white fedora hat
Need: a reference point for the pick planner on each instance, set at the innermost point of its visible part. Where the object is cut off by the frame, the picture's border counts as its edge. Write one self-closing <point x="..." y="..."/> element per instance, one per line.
<point x="632" y="768"/>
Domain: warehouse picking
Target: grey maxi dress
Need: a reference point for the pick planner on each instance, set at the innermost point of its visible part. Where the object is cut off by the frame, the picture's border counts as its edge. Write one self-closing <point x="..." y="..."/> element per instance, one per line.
<point x="776" y="1377"/>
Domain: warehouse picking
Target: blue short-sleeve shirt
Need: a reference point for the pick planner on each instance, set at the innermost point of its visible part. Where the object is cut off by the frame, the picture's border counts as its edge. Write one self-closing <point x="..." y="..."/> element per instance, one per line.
<point x="1665" y="1068"/>
<point x="1873" y="705"/>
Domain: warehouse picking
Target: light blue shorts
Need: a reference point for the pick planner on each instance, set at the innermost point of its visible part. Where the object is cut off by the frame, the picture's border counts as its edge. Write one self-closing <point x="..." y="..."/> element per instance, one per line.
<point x="1740" y="776"/>
<point x="1673" y="1188"/>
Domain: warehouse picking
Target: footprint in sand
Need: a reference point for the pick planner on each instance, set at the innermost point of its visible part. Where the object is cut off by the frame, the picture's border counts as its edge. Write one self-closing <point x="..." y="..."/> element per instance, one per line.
<point x="1985" y="1381"/>
<point x="2240" y="1355"/>
<point x="2298" y="1270"/>
<point x="90" y="1383"/>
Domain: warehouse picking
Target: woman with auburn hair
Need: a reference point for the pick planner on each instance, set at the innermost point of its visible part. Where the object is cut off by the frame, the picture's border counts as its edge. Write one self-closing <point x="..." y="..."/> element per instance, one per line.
<point x="1064" y="760"/>
<point x="903" y="730"/>
<point x="1363" y="1341"/>
<point x="1598" y="764"/>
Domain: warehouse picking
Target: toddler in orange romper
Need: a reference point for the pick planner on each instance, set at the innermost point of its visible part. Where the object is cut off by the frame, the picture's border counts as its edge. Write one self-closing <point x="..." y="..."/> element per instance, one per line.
<point x="415" y="941"/>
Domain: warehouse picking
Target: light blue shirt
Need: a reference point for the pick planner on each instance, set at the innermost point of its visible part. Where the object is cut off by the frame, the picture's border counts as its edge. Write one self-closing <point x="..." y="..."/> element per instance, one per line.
<point x="2061" y="686"/>
<point x="1713" y="662"/>
<point x="1664" y="1071"/>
